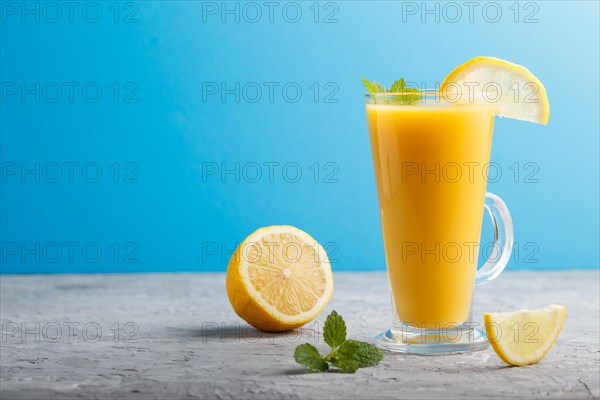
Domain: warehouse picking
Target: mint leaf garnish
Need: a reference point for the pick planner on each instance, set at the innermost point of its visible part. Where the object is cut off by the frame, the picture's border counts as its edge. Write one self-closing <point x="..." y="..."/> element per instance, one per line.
<point x="373" y="87"/>
<point x="399" y="86"/>
<point x="345" y="364"/>
<point x="347" y="355"/>
<point x="363" y="353"/>
<point x="334" y="331"/>
<point x="306" y="354"/>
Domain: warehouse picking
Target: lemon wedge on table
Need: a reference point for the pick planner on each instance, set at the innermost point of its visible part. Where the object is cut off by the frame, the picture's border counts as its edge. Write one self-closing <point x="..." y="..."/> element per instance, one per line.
<point x="524" y="337"/>
<point x="279" y="278"/>
<point x="515" y="91"/>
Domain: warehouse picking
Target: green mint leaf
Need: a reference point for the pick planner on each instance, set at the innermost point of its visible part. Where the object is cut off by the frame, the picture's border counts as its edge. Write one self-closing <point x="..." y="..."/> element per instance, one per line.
<point x="345" y="364"/>
<point x="398" y="86"/>
<point x="334" y="331"/>
<point x="347" y="355"/>
<point x="307" y="355"/>
<point x="407" y="98"/>
<point x="373" y="87"/>
<point x="362" y="353"/>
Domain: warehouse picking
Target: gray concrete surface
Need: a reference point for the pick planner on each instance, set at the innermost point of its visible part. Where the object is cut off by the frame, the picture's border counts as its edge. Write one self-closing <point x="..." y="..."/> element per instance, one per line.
<point x="175" y="336"/>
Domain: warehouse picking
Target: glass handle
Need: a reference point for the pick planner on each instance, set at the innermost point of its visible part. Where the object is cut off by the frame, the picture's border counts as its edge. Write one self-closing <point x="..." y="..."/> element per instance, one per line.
<point x="503" y="240"/>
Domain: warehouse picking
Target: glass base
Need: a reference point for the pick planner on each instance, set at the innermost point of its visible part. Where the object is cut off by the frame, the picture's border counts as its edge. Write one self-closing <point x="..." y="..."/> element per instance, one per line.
<point x="432" y="342"/>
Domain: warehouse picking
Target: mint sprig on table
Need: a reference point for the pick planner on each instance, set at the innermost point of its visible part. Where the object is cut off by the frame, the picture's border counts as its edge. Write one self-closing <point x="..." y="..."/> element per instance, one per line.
<point x="407" y="95"/>
<point x="348" y="355"/>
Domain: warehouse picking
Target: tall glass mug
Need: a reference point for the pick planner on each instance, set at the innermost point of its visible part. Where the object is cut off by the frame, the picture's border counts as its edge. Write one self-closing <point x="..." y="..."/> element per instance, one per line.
<point x="431" y="159"/>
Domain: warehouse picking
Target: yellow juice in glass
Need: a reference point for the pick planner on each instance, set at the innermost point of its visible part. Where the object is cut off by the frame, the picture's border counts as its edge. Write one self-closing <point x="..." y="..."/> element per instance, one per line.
<point x="430" y="161"/>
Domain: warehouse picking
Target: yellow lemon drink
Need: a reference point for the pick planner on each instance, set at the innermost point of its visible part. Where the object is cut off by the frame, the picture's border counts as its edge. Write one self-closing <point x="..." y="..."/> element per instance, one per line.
<point x="429" y="159"/>
<point x="431" y="155"/>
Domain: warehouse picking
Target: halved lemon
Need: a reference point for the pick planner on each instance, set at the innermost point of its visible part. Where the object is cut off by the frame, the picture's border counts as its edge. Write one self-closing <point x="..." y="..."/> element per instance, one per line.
<point x="279" y="278"/>
<point x="515" y="91"/>
<point x="524" y="337"/>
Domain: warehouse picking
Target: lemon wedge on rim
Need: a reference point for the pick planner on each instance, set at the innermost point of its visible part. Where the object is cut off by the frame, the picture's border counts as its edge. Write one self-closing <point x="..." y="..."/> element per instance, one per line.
<point x="514" y="90"/>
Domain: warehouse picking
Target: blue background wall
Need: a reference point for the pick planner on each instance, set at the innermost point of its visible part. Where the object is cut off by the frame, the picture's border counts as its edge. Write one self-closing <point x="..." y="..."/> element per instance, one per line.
<point x="163" y="211"/>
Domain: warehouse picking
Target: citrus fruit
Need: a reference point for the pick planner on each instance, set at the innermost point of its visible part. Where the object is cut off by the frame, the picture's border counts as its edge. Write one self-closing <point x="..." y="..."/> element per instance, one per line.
<point x="515" y="91"/>
<point x="524" y="337"/>
<point x="279" y="278"/>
